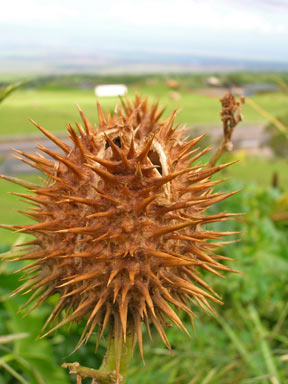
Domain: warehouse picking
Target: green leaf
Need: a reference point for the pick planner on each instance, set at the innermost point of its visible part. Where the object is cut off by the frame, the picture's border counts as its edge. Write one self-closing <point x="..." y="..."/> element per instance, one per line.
<point x="11" y="338"/>
<point x="37" y="353"/>
<point x="6" y="91"/>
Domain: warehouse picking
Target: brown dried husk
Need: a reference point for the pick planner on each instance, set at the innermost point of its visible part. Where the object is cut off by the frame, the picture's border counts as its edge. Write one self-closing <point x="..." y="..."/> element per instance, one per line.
<point x="119" y="234"/>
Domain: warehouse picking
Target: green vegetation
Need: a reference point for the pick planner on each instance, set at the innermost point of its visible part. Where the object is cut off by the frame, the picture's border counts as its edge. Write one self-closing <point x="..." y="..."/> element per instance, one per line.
<point x="255" y="170"/>
<point x="247" y="342"/>
<point x="51" y="100"/>
<point x="277" y="140"/>
<point x="187" y="81"/>
<point x="9" y="206"/>
<point x="53" y="109"/>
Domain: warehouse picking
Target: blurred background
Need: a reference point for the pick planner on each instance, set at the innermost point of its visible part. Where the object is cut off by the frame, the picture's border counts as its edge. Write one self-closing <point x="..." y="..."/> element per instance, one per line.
<point x="186" y="54"/>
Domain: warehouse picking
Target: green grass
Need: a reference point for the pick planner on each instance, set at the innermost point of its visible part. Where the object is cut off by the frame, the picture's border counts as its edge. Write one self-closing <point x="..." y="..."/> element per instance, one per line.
<point x="54" y="109"/>
<point x="9" y="206"/>
<point x="257" y="170"/>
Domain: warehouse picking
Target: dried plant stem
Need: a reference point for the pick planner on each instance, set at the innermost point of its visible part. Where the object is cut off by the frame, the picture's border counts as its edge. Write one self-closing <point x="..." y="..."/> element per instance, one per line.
<point x="230" y="116"/>
<point x="106" y="374"/>
<point x="96" y="374"/>
<point x="218" y="153"/>
<point x="277" y="123"/>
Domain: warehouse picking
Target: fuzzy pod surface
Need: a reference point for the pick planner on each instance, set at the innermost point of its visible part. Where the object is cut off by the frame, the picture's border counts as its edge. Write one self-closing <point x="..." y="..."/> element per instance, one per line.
<point x="120" y="232"/>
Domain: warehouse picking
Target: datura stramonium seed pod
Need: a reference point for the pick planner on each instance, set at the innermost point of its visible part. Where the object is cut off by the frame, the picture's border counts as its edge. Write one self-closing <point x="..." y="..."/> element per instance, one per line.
<point x="119" y="234"/>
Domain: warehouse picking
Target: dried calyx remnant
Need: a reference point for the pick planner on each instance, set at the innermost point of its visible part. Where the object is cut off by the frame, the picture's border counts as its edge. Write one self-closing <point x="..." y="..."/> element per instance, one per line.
<point x="231" y="115"/>
<point x="121" y="234"/>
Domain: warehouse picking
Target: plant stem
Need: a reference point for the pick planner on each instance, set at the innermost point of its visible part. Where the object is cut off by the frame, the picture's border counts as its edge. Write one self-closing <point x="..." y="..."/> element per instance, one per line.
<point x="95" y="374"/>
<point x="118" y="354"/>
<point x="230" y="116"/>
<point x="218" y="153"/>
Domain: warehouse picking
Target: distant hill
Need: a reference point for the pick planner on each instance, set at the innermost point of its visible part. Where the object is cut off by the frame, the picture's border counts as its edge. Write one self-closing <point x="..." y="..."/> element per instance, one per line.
<point x="129" y="62"/>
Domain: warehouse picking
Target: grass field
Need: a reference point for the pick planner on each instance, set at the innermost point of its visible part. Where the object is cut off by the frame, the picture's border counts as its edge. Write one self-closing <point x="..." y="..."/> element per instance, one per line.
<point x="254" y="170"/>
<point x="54" y="109"/>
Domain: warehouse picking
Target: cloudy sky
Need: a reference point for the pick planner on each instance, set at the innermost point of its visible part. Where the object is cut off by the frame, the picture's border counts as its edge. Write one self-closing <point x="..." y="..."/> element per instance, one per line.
<point x="246" y="28"/>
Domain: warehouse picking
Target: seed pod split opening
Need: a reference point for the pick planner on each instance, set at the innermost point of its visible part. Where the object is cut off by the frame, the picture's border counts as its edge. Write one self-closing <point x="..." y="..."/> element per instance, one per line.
<point x="120" y="232"/>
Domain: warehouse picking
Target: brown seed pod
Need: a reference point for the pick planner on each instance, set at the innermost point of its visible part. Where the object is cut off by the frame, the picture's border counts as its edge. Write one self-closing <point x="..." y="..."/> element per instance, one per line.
<point x="119" y="233"/>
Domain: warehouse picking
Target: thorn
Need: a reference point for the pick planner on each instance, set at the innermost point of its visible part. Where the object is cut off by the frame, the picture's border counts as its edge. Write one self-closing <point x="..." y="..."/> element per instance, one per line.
<point x="218" y="198"/>
<point x="102" y="214"/>
<point x="174" y="227"/>
<point x="40" y="226"/>
<point x="128" y="101"/>
<point x="115" y="149"/>
<point x="142" y="156"/>
<point x="80" y="229"/>
<point x="105" y="237"/>
<point x="37" y="200"/>
<point x="106" y="319"/>
<point x="109" y="198"/>
<point x="201" y="153"/>
<point x="167" y="256"/>
<point x="117" y="287"/>
<point x="32" y="242"/>
<point x="189" y="145"/>
<point x="77" y="142"/>
<point x="188" y="155"/>
<point x="200" y="186"/>
<point x="169" y="123"/>
<point x="81" y="200"/>
<point x="37" y="160"/>
<point x="125" y="161"/>
<point x="115" y="113"/>
<point x="31" y="164"/>
<point x="165" y="179"/>
<point x="180" y="205"/>
<point x="80" y="129"/>
<point x="23" y="183"/>
<point x="131" y="152"/>
<point x="101" y="116"/>
<point x="88" y="126"/>
<point x="105" y="175"/>
<point x="105" y="163"/>
<point x="209" y="172"/>
<point x="126" y="192"/>
<point x="69" y="164"/>
<point x="53" y="138"/>
<point x="141" y="206"/>
<point x="138" y="172"/>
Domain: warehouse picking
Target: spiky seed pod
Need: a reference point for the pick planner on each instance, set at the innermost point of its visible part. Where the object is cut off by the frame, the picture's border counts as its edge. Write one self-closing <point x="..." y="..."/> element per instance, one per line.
<point x="119" y="233"/>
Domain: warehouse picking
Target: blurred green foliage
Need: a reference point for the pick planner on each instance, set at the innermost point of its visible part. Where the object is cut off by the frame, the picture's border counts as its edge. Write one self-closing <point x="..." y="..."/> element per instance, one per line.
<point x="276" y="139"/>
<point x="191" y="80"/>
<point x="8" y="89"/>
<point x="246" y="343"/>
<point x="51" y="100"/>
<point x="53" y="109"/>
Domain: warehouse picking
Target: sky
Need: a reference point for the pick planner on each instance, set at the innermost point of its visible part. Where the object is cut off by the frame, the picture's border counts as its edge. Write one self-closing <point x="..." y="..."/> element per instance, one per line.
<point x="254" y="29"/>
